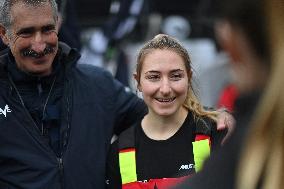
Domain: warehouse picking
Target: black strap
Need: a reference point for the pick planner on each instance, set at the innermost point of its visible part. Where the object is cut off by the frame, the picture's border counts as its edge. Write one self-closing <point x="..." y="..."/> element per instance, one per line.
<point x="127" y="139"/>
<point x="203" y="126"/>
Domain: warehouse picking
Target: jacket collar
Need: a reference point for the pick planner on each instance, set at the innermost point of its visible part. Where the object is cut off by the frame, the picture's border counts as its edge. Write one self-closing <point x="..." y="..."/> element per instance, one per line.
<point x="20" y="76"/>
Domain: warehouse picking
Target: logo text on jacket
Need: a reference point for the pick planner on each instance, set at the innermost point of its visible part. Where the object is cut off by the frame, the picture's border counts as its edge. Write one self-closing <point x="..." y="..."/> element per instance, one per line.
<point x="5" y="110"/>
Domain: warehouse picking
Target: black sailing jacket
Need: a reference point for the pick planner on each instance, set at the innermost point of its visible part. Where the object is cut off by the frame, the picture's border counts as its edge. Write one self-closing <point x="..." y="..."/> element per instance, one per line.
<point x="94" y="106"/>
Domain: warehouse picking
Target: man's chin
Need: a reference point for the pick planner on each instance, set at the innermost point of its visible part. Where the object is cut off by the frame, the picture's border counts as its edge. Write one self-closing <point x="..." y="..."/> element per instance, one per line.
<point x="39" y="72"/>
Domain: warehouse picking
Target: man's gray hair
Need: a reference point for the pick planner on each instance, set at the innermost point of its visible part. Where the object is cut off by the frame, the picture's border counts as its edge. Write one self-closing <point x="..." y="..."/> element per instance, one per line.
<point x="6" y="5"/>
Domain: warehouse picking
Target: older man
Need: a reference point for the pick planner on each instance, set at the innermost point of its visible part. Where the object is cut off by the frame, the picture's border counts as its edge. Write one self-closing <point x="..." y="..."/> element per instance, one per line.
<point x="56" y="119"/>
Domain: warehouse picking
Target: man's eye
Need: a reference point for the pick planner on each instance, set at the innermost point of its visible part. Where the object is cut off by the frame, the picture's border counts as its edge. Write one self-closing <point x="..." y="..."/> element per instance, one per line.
<point x="25" y="33"/>
<point x="48" y="29"/>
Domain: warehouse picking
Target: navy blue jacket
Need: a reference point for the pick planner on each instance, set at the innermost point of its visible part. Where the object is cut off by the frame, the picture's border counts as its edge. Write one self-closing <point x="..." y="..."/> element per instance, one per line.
<point x="94" y="106"/>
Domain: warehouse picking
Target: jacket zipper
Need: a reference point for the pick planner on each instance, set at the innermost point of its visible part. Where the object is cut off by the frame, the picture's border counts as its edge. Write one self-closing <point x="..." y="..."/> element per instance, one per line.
<point x="61" y="173"/>
<point x="64" y="139"/>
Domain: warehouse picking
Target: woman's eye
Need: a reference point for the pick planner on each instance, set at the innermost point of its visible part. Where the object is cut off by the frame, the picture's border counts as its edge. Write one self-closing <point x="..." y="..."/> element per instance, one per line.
<point x="176" y="77"/>
<point x="153" y="77"/>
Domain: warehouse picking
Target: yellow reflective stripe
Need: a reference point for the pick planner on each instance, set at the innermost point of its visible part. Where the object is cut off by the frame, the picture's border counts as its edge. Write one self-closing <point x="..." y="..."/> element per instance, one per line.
<point x="201" y="150"/>
<point x="127" y="165"/>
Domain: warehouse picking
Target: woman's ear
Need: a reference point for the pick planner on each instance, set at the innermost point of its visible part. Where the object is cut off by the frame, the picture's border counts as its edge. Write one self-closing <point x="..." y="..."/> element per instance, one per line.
<point x="136" y="77"/>
<point x="3" y="35"/>
<point x="189" y="74"/>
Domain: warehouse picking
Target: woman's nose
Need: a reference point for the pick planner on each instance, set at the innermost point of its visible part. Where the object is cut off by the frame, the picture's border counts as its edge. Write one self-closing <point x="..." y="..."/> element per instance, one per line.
<point x="165" y="87"/>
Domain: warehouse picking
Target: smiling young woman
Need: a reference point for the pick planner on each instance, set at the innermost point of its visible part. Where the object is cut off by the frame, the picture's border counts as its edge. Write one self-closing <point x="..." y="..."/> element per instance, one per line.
<point x="173" y="139"/>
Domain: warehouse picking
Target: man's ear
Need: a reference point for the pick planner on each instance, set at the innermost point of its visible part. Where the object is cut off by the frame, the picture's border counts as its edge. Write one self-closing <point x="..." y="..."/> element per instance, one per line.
<point x="4" y="35"/>
<point x="137" y="81"/>
<point x="227" y="39"/>
<point x="59" y="21"/>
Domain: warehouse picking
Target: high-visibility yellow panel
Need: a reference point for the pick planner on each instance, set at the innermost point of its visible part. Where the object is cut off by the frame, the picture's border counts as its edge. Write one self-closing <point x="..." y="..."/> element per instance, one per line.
<point x="201" y="150"/>
<point x="127" y="165"/>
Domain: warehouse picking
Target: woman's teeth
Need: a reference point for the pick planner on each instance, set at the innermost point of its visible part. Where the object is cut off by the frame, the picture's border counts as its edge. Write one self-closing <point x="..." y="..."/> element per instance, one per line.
<point x="165" y="99"/>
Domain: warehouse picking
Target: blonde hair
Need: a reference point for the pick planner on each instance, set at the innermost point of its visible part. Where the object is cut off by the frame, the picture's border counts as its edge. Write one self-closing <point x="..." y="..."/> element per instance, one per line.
<point x="262" y="160"/>
<point x="162" y="41"/>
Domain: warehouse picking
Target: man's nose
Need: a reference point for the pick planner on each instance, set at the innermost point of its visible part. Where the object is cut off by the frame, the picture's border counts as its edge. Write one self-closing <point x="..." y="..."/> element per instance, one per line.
<point x="38" y="43"/>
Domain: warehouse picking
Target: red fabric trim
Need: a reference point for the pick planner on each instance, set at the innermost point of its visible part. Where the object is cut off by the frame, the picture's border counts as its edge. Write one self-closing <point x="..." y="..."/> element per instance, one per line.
<point x="199" y="137"/>
<point x="165" y="183"/>
<point x="127" y="150"/>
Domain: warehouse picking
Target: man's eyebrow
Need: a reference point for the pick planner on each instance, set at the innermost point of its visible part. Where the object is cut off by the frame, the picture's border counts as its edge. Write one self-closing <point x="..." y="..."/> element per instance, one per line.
<point x="24" y="30"/>
<point x="32" y="29"/>
<point x="49" y="26"/>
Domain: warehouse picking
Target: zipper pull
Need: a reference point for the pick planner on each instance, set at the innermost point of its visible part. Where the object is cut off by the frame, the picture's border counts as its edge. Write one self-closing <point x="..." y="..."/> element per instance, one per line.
<point x="60" y="165"/>
<point x="39" y="86"/>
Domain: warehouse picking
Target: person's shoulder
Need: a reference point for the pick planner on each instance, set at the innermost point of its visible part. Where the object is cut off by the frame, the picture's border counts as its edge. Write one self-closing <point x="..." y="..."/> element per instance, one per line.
<point x="205" y="125"/>
<point x="4" y="51"/>
<point x="72" y="55"/>
<point x="3" y="61"/>
<point x="216" y="136"/>
<point x="101" y="82"/>
<point x="91" y="69"/>
<point x="2" y="65"/>
<point x="94" y="73"/>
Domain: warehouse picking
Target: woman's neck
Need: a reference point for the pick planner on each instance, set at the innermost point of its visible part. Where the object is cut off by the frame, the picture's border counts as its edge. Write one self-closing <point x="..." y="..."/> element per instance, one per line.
<point x="163" y="127"/>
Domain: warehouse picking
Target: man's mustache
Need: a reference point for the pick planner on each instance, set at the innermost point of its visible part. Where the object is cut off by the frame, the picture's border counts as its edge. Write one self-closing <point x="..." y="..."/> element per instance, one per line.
<point x="34" y="54"/>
